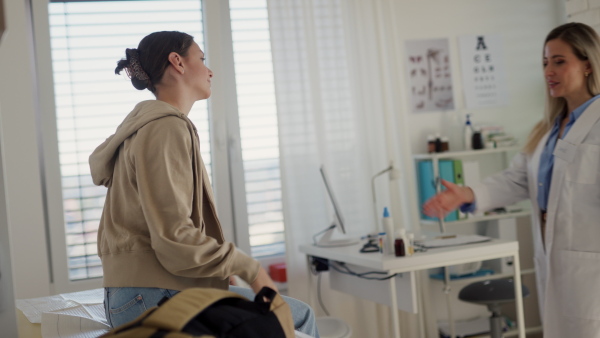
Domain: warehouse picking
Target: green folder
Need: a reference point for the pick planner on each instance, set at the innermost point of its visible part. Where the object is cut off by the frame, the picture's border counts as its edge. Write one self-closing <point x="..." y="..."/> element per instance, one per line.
<point x="459" y="180"/>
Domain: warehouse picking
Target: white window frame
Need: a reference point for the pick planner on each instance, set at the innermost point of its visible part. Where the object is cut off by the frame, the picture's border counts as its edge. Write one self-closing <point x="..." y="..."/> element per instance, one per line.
<point x="228" y="173"/>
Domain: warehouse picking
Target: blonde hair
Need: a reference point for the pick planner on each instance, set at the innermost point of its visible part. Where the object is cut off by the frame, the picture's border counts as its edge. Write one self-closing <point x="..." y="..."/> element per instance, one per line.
<point x="586" y="46"/>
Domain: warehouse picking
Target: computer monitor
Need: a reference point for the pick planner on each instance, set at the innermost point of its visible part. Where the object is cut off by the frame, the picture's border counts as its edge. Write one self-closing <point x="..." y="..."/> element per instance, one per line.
<point x="325" y="240"/>
<point x="336" y="209"/>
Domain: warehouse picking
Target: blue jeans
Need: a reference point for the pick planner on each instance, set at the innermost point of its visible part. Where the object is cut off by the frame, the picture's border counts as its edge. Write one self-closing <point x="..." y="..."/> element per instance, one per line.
<point x="123" y="305"/>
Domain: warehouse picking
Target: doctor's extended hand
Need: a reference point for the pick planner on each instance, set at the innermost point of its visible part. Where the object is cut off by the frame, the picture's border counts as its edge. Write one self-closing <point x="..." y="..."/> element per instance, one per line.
<point x="448" y="200"/>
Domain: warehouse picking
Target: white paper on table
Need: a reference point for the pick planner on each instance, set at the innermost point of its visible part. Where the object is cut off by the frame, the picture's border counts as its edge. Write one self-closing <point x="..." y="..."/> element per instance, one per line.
<point x="95" y="296"/>
<point x="76" y="325"/>
<point x="34" y="307"/>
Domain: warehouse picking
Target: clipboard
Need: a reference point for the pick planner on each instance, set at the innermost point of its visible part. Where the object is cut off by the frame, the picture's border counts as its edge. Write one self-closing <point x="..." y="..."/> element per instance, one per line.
<point x="452" y="240"/>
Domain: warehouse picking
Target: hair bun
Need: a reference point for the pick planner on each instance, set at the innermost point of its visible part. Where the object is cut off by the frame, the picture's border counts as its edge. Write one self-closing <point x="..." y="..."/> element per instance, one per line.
<point x="135" y="68"/>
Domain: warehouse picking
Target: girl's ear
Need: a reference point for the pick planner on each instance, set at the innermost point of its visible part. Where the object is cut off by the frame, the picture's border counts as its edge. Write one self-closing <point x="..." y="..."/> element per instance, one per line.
<point x="176" y="61"/>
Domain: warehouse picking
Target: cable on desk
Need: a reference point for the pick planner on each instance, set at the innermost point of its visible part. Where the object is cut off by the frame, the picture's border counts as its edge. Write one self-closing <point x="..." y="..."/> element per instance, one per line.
<point x="363" y="275"/>
<point x="345" y="270"/>
<point x="319" y="295"/>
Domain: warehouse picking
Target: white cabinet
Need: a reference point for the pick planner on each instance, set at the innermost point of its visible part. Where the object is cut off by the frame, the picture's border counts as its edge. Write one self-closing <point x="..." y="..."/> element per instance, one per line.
<point x="500" y="225"/>
<point x="489" y="161"/>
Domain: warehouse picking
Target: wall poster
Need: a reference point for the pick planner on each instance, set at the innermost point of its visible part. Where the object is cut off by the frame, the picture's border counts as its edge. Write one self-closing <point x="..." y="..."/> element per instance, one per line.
<point x="483" y="75"/>
<point x="430" y="75"/>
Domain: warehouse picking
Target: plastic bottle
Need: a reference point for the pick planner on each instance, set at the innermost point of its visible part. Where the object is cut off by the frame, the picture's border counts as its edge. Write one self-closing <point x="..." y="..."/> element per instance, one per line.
<point x="410" y="245"/>
<point x="388" y="226"/>
<point x="381" y="242"/>
<point x="468" y="134"/>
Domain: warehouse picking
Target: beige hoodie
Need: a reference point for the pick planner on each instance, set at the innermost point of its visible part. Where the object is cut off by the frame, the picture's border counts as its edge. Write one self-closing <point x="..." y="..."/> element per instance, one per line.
<point x="159" y="226"/>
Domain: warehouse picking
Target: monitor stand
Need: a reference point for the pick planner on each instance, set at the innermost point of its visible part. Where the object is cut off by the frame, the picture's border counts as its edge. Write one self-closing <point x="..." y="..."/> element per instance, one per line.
<point x="326" y="242"/>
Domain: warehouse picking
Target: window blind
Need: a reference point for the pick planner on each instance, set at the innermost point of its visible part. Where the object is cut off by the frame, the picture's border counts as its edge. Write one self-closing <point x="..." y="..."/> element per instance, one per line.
<point x="87" y="40"/>
<point x="258" y="125"/>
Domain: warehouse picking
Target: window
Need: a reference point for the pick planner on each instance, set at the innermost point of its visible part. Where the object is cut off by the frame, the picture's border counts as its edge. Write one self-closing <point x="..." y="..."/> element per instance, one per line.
<point x="258" y="125"/>
<point x="87" y="39"/>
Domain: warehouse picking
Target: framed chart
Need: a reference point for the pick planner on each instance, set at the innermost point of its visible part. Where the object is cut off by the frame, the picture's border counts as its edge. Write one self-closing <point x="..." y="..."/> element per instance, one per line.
<point x="482" y="68"/>
<point x="430" y="75"/>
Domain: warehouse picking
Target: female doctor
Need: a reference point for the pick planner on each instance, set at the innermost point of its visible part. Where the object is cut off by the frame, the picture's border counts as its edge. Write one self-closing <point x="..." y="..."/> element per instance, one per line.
<point x="559" y="171"/>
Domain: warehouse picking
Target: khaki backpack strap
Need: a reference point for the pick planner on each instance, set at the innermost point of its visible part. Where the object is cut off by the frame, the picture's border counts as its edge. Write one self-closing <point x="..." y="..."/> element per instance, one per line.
<point x="135" y="332"/>
<point x="280" y="308"/>
<point x="175" y="313"/>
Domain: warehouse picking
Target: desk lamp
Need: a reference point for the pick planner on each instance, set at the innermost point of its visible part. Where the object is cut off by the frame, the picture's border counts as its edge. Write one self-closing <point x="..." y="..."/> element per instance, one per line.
<point x="394" y="175"/>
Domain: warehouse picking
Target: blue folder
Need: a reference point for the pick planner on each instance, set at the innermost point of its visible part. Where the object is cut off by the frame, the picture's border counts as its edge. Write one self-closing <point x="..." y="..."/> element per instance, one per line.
<point x="427" y="184"/>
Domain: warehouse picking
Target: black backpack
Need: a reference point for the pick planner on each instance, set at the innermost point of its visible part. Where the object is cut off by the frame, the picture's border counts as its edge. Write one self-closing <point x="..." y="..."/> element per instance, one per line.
<point x="206" y="312"/>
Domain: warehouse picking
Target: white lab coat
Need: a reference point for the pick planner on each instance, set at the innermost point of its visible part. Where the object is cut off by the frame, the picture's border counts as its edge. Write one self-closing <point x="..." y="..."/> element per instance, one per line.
<point x="568" y="270"/>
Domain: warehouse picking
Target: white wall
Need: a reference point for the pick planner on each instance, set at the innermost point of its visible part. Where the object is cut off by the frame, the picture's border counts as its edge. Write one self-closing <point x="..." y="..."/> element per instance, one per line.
<point x="585" y="11"/>
<point x="22" y="221"/>
<point x="522" y="23"/>
<point x="7" y="303"/>
<point x="23" y="254"/>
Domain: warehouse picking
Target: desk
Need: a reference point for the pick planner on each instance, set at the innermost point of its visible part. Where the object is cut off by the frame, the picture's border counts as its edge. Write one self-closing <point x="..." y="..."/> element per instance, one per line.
<point x="402" y="290"/>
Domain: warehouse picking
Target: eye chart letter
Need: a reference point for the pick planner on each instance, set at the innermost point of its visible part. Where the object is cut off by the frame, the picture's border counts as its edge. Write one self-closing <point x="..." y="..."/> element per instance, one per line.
<point x="430" y="75"/>
<point x="483" y="74"/>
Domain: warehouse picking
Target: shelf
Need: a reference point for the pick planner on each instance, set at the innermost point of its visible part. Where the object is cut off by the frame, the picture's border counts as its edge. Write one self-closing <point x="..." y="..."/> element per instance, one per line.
<point x="474" y="279"/>
<point x="482" y="218"/>
<point x="466" y="153"/>
<point x="513" y="332"/>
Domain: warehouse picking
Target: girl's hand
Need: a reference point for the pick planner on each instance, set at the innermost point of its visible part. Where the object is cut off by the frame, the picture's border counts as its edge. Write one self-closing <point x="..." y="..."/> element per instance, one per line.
<point x="263" y="279"/>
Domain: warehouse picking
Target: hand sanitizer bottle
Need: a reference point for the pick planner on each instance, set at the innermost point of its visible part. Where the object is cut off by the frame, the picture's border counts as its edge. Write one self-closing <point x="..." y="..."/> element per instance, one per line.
<point x="468" y="134"/>
<point x="388" y="226"/>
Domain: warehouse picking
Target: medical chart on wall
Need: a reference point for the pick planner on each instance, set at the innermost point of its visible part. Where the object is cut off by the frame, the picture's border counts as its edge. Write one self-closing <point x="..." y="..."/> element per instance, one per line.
<point x="430" y="75"/>
<point x="482" y="68"/>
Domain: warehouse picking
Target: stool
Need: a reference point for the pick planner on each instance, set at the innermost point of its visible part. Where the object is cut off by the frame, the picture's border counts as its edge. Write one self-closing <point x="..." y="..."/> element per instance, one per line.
<point x="330" y="327"/>
<point x="492" y="293"/>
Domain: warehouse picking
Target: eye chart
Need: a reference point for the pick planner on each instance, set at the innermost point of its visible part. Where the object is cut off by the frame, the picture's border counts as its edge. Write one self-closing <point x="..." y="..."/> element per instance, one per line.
<point x="483" y="74"/>
<point x="430" y="75"/>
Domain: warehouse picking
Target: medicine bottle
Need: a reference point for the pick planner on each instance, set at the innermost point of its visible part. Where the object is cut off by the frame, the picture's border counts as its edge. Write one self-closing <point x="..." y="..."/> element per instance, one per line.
<point x="430" y="144"/>
<point x="438" y="143"/>
<point x="445" y="144"/>
<point x="477" y="142"/>
<point x="400" y="244"/>
<point x="399" y="249"/>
